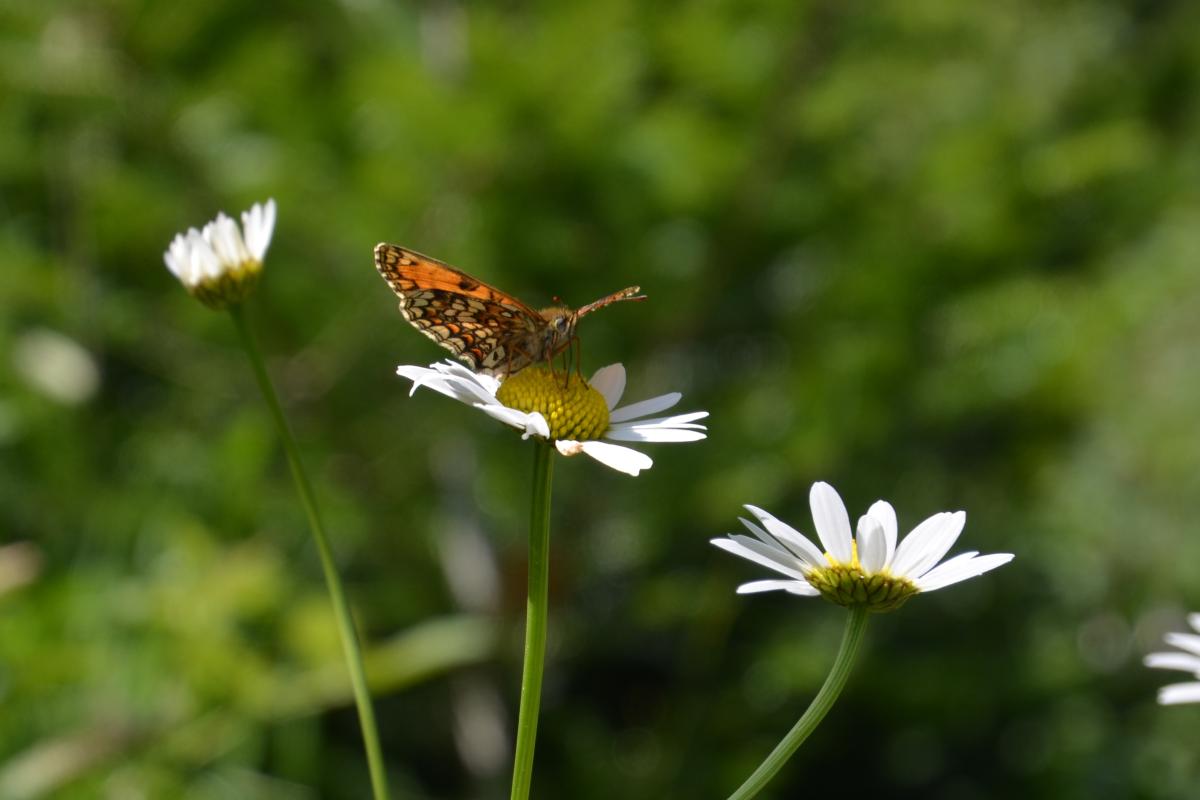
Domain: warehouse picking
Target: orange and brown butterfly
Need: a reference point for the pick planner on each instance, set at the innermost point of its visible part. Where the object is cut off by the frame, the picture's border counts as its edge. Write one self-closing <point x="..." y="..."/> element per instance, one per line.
<point x="492" y="331"/>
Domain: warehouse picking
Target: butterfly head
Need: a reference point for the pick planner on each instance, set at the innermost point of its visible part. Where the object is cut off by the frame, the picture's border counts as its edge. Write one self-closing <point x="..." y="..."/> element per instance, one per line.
<point x="560" y="328"/>
<point x="561" y="321"/>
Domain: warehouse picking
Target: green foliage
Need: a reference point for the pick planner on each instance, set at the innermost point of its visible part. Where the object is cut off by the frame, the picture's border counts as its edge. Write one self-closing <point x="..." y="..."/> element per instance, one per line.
<point x="939" y="252"/>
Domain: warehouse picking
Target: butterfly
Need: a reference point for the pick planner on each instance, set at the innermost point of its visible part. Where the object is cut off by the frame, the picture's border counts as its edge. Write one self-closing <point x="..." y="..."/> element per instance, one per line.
<point x="493" y="332"/>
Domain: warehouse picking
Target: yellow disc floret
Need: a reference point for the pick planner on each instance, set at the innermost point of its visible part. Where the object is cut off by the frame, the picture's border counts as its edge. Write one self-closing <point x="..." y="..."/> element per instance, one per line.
<point x="850" y="585"/>
<point x="572" y="408"/>
<point x="231" y="287"/>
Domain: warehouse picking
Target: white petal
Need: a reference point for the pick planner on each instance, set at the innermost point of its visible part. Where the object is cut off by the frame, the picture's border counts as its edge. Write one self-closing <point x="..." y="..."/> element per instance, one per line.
<point x="459" y="371"/>
<point x="956" y="570"/>
<point x="927" y="543"/>
<point x="205" y="263"/>
<point x="530" y="424"/>
<point x="762" y="535"/>
<point x="831" y="520"/>
<point x="451" y="386"/>
<point x="791" y="538"/>
<point x="176" y="257"/>
<point x="882" y="511"/>
<point x="237" y="243"/>
<point x="457" y="381"/>
<point x="1184" y="641"/>
<point x="258" y="224"/>
<point x="644" y="407"/>
<point x="226" y="241"/>
<point x="763" y="554"/>
<point x="784" y="543"/>
<point x="1179" y="693"/>
<point x="1179" y="661"/>
<point x="610" y="382"/>
<point x="1194" y="621"/>
<point x="801" y="588"/>
<point x="485" y="382"/>
<point x="622" y="459"/>
<point x="872" y="544"/>
<point x="537" y="426"/>
<point x="635" y="432"/>
<point x="687" y="420"/>
<point x="479" y="391"/>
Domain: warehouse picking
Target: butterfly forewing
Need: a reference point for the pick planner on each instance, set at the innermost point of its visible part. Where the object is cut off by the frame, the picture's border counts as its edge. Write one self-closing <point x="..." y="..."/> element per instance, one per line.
<point x="479" y="324"/>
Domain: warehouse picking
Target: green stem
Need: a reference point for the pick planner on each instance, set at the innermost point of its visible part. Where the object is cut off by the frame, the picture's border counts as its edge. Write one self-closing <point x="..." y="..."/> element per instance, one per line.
<point x="337" y="595"/>
<point x="535" y="620"/>
<point x="852" y="637"/>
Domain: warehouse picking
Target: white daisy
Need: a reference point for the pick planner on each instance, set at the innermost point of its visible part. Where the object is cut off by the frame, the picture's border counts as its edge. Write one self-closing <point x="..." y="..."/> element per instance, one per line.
<point x="869" y="569"/>
<point x="221" y="263"/>
<point x="575" y="416"/>
<point x="1186" y="661"/>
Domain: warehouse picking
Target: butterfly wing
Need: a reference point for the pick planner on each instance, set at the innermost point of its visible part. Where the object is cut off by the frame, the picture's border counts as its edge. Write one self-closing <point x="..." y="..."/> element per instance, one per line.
<point x="491" y="331"/>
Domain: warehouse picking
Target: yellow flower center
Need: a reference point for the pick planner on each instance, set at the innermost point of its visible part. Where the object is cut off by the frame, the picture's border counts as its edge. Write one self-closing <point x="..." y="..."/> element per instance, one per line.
<point x="572" y="408"/>
<point x="850" y="585"/>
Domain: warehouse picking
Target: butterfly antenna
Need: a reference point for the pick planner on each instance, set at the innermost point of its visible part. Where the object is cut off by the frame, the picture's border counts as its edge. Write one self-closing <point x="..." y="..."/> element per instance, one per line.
<point x="630" y="293"/>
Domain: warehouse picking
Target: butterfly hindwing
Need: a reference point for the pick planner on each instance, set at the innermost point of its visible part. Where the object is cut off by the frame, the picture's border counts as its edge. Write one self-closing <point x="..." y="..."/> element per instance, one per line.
<point x="471" y="328"/>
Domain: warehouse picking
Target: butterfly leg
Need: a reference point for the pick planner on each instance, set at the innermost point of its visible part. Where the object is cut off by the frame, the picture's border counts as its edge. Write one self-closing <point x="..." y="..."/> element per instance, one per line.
<point x="519" y="354"/>
<point x="572" y="352"/>
<point x="566" y="367"/>
<point x="577" y="343"/>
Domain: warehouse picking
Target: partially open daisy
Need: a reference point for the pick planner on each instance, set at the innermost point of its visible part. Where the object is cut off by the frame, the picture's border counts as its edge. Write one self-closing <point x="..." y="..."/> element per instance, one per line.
<point x="1186" y="661"/>
<point x="220" y="264"/>
<point x="868" y="570"/>
<point x="575" y="416"/>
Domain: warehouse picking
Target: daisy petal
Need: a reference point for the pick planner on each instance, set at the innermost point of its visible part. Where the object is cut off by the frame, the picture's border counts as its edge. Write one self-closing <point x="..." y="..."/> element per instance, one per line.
<point x="957" y="570"/>
<point x="463" y="391"/>
<point x="800" y="547"/>
<point x="1184" y="641"/>
<point x="259" y="224"/>
<point x="529" y="424"/>
<point x="883" y="512"/>
<point x="831" y="521"/>
<point x="1179" y="661"/>
<point x="644" y="407"/>
<point x="927" y="543"/>
<point x="1179" y="693"/>
<point x="872" y="544"/>
<point x="622" y="459"/>
<point x="432" y="380"/>
<point x="636" y="432"/>
<point x="610" y="382"/>
<point x="678" y="420"/>
<point x="761" y="554"/>
<point x="762" y="535"/>
<point x="793" y="539"/>
<point x="792" y="587"/>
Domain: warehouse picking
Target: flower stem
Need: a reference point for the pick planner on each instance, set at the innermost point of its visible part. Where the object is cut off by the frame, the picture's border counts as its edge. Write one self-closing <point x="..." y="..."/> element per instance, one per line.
<point x="852" y="637"/>
<point x="535" y="620"/>
<point x="337" y="595"/>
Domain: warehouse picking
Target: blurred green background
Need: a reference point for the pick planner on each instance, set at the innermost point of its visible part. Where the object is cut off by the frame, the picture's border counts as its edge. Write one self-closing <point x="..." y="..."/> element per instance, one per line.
<point x="943" y="253"/>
